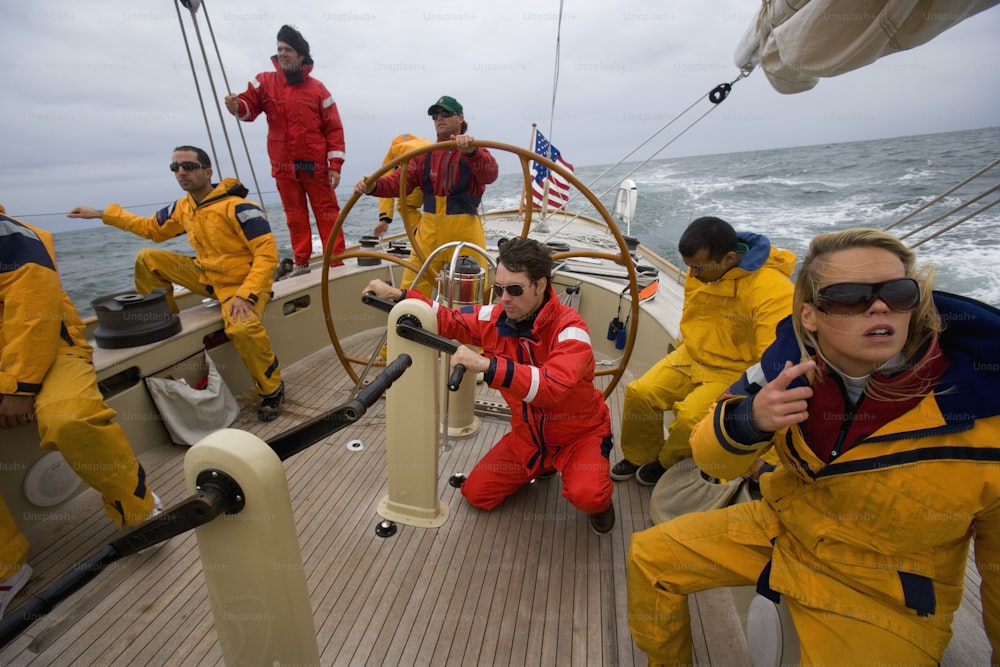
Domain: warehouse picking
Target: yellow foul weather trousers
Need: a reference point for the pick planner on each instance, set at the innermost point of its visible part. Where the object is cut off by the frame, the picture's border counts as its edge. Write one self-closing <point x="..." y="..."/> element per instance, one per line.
<point x="156" y="268"/>
<point x="730" y="547"/>
<point x="73" y="418"/>
<point x="665" y="386"/>
<point x="434" y="231"/>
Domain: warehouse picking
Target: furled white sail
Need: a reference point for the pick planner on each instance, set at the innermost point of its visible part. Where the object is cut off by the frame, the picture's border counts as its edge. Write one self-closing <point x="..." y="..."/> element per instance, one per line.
<point x="796" y="42"/>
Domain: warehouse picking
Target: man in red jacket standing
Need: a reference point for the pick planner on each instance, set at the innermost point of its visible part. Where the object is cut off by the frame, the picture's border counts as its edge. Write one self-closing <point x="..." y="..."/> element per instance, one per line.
<point x="305" y="141"/>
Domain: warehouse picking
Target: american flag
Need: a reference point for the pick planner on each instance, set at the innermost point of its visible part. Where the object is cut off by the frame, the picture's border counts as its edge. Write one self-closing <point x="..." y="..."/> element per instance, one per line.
<point x="558" y="186"/>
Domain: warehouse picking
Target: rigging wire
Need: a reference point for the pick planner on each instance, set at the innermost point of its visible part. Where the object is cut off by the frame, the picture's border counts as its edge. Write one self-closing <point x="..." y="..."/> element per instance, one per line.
<point x="130" y="207"/>
<point x="716" y="96"/>
<point x="949" y="212"/>
<point x="193" y="8"/>
<point x="555" y="76"/>
<point x="944" y="215"/>
<point x="715" y="105"/>
<point x="215" y="93"/>
<point x="197" y="86"/>
<point x="957" y="222"/>
<point x="552" y="111"/>
<point x="713" y="95"/>
<point x="239" y="125"/>
<point x="943" y="195"/>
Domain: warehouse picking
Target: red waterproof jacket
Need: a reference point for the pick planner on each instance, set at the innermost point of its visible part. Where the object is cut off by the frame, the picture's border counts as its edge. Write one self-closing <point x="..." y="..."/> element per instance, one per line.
<point x="545" y="372"/>
<point x="303" y="123"/>
<point x="460" y="179"/>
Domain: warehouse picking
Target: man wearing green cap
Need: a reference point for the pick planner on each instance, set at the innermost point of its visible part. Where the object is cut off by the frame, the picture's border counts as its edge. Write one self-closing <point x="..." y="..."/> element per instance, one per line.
<point x="453" y="182"/>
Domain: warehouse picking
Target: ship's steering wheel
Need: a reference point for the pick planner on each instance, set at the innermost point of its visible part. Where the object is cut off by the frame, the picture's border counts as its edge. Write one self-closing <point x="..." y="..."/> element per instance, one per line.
<point x="623" y="257"/>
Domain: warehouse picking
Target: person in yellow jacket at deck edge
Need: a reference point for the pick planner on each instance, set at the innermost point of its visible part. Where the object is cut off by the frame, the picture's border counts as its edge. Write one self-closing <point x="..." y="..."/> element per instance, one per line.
<point x="236" y="255"/>
<point x="47" y="378"/>
<point x="452" y="181"/>
<point x="737" y="290"/>
<point x="880" y="397"/>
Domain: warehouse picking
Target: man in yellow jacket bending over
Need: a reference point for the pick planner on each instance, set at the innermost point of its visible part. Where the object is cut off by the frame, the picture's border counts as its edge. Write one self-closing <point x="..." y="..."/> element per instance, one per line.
<point x="47" y="378"/>
<point x="235" y="258"/>
<point x="737" y="290"/>
<point x="408" y="206"/>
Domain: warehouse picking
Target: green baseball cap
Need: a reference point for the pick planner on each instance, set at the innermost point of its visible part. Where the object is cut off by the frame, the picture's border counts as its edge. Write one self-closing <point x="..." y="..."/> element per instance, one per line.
<point x="447" y="103"/>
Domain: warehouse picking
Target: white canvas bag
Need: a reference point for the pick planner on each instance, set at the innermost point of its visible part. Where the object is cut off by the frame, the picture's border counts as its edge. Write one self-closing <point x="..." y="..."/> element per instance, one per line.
<point x="189" y="414"/>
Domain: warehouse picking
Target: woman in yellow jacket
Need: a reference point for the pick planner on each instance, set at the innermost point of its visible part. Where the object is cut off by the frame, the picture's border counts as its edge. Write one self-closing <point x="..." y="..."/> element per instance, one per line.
<point x="880" y="399"/>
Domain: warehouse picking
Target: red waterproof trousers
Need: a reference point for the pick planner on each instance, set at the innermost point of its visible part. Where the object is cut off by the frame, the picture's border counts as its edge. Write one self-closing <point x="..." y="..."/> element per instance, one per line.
<point x="294" y="191"/>
<point x="513" y="462"/>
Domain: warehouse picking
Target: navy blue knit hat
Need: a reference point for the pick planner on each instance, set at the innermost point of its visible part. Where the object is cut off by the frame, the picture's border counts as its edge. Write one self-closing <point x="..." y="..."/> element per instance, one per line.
<point x="289" y="35"/>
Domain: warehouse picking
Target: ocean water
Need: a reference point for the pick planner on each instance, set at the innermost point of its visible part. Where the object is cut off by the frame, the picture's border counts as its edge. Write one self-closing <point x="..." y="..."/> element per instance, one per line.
<point x="788" y="194"/>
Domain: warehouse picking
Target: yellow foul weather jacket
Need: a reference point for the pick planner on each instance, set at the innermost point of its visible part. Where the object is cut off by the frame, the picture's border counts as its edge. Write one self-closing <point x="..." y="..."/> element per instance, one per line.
<point x="232" y="240"/>
<point x="880" y="530"/>
<point x="410" y="205"/>
<point x="727" y="324"/>
<point x="44" y="355"/>
<point x="37" y="319"/>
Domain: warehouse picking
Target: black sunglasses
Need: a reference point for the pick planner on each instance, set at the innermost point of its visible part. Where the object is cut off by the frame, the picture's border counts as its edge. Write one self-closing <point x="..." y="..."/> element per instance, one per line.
<point x="186" y="166"/>
<point x="513" y="290"/>
<point x="900" y="294"/>
<point x="442" y="114"/>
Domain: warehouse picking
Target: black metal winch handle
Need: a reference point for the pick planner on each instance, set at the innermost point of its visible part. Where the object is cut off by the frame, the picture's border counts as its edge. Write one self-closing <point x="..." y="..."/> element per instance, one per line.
<point x="370" y="299"/>
<point x="218" y="493"/>
<point x="455" y="379"/>
<point x="418" y="334"/>
<point x="410" y="331"/>
<point x="305" y="435"/>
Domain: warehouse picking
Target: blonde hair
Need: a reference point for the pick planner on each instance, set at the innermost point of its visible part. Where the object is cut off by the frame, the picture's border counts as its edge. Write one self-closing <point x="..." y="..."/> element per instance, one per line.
<point x="925" y="322"/>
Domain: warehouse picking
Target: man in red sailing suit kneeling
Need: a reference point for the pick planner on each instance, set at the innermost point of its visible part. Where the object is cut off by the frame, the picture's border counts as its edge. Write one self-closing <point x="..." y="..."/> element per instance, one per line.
<point x="537" y="353"/>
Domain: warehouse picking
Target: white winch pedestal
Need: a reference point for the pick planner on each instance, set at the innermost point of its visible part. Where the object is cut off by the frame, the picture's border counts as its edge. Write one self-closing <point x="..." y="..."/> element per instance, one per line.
<point x="251" y="560"/>
<point x="411" y="426"/>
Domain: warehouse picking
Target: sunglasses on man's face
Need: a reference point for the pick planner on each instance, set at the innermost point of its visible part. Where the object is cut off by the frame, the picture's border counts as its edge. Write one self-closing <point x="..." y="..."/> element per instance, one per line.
<point x="513" y="289"/>
<point x="900" y="294"/>
<point x="442" y="114"/>
<point x="186" y="166"/>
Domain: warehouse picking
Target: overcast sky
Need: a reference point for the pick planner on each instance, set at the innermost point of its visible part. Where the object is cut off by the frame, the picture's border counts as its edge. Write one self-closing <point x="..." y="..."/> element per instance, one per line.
<point x="96" y="95"/>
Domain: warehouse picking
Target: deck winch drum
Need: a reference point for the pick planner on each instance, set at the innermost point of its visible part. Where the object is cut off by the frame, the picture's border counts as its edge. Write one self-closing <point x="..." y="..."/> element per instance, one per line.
<point x="464" y="287"/>
<point x="127" y="319"/>
<point x="369" y="242"/>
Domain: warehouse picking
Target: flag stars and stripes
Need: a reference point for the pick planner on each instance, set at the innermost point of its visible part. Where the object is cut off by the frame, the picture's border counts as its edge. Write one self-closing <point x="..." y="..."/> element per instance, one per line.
<point x="558" y="186"/>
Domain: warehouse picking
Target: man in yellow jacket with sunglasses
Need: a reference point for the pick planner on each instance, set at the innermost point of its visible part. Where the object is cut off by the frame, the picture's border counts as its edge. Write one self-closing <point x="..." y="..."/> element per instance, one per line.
<point x="736" y="291"/>
<point x="235" y="258"/>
